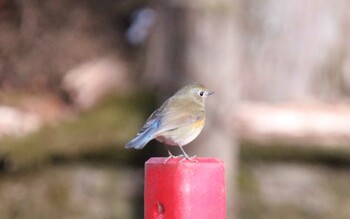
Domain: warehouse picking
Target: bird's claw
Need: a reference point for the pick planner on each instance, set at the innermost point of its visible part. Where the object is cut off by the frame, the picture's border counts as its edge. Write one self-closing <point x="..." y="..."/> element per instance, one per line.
<point x="184" y="156"/>
<point x="189" y="158"/>
<point x="171" y="157"/>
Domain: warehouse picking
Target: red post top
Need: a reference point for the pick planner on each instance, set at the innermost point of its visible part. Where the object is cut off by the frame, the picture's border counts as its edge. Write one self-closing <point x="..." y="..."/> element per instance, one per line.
<point x="185" y="190"/>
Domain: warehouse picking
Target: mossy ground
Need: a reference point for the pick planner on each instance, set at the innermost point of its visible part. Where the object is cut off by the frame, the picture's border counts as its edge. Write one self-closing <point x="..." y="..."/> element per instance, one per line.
<point x="325" y="196"/>
<point x="101" y="131"/>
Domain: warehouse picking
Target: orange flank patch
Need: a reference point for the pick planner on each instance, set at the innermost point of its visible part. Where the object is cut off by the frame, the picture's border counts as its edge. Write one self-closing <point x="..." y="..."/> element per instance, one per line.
<point x="199" y="123"/>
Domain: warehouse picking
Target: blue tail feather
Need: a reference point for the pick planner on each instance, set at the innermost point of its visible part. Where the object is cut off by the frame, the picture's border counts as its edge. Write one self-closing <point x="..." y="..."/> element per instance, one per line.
<point x="143" y="137"/>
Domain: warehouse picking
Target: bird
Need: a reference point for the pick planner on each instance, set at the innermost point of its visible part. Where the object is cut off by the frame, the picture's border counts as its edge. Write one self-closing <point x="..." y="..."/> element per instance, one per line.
<point x="177" y="122"/>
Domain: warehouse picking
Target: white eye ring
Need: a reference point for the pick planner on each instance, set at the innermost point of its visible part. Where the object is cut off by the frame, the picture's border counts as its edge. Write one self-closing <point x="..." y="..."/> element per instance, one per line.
<point x="201" y="93"/>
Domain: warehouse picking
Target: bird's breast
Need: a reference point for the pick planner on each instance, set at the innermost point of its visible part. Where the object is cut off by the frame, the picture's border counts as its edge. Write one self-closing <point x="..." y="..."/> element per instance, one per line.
<point x="182" y="135"/>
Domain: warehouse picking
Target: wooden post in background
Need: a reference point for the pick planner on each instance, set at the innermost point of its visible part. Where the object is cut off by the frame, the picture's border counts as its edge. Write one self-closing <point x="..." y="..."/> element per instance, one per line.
<point x="199" y="41"/>
<point x="185" y="190"/>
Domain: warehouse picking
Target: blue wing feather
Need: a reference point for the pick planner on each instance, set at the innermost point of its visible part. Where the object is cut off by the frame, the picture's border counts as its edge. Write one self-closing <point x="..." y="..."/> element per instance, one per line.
<point x="144" y="136"/>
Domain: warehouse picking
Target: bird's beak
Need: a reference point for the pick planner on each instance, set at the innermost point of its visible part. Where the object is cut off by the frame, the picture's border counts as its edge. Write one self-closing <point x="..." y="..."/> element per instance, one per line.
<point x="210" y="93"/>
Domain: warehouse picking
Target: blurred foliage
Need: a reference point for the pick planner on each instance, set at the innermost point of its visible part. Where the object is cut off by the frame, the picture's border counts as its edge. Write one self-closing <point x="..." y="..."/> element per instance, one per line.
<point x="250" y="203"/>
<point x="41" y="40"/>
<point x="330" y="164"/>
<point x="102" y="131"/>
<point x="335" y="192"/>
<point x="332" y="156"/>
<point x="72" y="190"/>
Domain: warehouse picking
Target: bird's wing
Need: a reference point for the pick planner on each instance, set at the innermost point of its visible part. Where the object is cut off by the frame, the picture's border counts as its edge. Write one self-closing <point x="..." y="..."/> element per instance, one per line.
<point x="155" y="116"/>
<point x="175" y="114"/>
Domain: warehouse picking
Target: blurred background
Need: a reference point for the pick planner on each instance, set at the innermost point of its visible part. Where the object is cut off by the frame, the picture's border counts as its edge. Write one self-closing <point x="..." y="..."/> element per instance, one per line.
<point x="79" y="78"/>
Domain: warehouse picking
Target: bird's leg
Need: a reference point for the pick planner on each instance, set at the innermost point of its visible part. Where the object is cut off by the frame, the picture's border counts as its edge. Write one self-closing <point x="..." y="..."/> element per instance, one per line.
<point x="171" y="156"/>
<point x="186" y="156"/>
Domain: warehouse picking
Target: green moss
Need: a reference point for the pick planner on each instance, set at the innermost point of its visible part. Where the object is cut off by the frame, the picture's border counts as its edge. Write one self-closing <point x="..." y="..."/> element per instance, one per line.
<point x="333" y="156"/>
<point x="251" y="205"/>
<point x="106" y="128"/>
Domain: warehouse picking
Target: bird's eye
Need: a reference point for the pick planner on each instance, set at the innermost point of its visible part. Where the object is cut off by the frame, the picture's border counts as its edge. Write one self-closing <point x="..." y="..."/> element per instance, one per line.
<point x="201" y="93"/>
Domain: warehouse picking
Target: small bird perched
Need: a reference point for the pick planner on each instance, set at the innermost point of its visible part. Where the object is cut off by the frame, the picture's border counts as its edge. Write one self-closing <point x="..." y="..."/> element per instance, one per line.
<point x="177" y="122"/>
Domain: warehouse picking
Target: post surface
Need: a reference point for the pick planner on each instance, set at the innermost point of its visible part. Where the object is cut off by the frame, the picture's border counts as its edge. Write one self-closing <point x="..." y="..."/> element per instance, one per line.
<point x="185" y="190"/>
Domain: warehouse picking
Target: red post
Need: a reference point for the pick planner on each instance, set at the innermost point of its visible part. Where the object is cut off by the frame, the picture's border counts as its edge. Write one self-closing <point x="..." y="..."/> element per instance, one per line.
<point x="185" y="190"/>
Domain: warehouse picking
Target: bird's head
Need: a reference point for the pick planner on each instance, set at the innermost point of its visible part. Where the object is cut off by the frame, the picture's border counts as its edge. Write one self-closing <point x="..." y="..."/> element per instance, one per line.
<point x="196" y="91"/>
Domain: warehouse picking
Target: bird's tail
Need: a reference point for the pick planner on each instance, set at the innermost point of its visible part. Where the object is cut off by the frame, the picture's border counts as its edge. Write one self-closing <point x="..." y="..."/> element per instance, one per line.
<point x="143" y="137"/>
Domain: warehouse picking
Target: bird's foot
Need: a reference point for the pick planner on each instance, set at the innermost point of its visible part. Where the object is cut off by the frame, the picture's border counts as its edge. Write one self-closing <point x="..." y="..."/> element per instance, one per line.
<point x="172" y="156"/>
<point x="186" y="157"/>
<point x="189" y="158"/>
